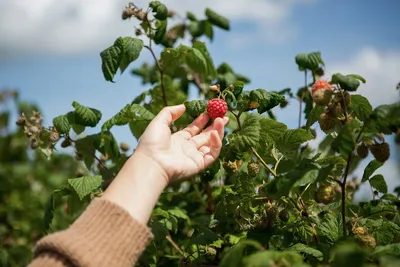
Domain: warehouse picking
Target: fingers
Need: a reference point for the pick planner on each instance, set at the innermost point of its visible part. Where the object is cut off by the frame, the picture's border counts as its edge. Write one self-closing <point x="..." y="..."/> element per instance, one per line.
<point x="170" y="114"/>
<point x="195" y="127"/>
<point x="214" y="148"/>
<point x="204" y="138"/>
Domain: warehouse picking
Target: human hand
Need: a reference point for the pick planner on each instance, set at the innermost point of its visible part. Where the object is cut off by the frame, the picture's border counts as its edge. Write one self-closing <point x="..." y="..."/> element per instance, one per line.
<point x="184" y="153"/>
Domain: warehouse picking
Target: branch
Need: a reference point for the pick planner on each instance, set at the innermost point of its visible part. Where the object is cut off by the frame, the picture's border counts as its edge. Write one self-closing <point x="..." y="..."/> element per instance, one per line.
<point x="93" y="155"/>
<point x="164" y="94"/>
<point x="210" y="200"/>
<point x="263" y="162"/>
<point x="169" y="238"/>
<point x="346" y="173"/>
<point x="237" y="116"/>
<point x="302" y="97"/>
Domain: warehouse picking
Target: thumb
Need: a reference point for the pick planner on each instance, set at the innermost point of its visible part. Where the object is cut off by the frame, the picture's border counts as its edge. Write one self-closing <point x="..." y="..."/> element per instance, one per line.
<point x="170" y="114"/>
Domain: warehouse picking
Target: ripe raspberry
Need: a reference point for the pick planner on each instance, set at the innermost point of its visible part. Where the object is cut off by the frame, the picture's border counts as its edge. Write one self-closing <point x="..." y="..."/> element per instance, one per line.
<point x="362" y="151"/>
<point x="253" y="169"/>
<point x="325" y="194"/>
<point x="381" y="152"/>
<point x="326" y="122"/>
<point x="321" y="92"/>
<point x="217" y="108"/>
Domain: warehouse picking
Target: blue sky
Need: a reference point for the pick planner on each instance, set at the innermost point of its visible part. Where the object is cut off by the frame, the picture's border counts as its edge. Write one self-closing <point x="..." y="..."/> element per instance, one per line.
<point x="50" y="50"/>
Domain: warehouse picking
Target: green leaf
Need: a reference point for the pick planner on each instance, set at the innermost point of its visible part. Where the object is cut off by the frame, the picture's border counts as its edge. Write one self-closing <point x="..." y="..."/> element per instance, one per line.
<point x="274" y="258"/>
<point x="348" y="254"/>
<point x="238" y="87"/>
<point x="86" y="116"/>
<point x="211" y="71"/>
<point x="196" y="107"/>
<point x="249" y="135"/>
<point x="288" y="144"/>
<point x="358" y="77"/>
<point x="266" y="100"/>
<point x="131" y="113"/>
<point x="331" y="228"/>
<point x="217" y="19"/>
<point x="195" y="60"/>
<point x="391" y="249"/>
<point x="204" y="236"/>
<point x="159" y="9"/>
<point x="75" y="205"/>
<point x="372" y="166"/>
<point x="62" y="124"/>
<point x="348" y="82"/>
<point x="85" y="185"/>
<point x="385" y="119"/>
<point x="111" y="59"/>
<point x="271" y="130"/>
<point x="361" y="107"/>
<point x="307" y="251"/>
<point x="233" y="258"/>
<point x="161" y="30"/>
<point x="337" y="164"/>
<point x="383" y="230"/>
<point x="131" y="51"/>
<point x="191" y="16"/>
<point x="378" y="182"/>
<point x="51" y="205"/>
<point x="344" y="142"/>
<point x="314" y="115"/>
<point x="311" y="61"/>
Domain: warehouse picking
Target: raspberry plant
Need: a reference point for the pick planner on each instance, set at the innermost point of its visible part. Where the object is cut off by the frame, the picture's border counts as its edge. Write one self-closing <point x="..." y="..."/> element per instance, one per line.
<point x="270" y="199"/>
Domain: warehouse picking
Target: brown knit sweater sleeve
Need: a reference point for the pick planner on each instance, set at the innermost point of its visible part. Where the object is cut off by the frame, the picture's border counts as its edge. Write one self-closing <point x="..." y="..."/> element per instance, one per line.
<point x="104" y="235"/>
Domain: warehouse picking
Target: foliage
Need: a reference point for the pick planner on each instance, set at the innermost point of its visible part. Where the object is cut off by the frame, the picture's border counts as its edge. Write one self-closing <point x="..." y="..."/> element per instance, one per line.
<point x="296" y="210"/>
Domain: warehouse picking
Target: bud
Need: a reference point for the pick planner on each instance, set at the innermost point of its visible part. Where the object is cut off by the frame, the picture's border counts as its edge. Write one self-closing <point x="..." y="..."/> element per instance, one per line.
<point x="21" y="121"/>
<point x="34" y="129"/>
<point x="253" y="169"/>
<point x="54" y="137"/>
<point x="215" y="87"/>
<point x="140" y="15"/>
<point x="124" y="147"/>
<point x="34" y="143"/>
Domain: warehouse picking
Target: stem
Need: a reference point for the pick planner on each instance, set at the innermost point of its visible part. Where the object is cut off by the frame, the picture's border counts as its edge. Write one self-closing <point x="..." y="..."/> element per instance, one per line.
<point x="210" y="201"/>
<point x="168" y="237"/>
<point x="343" y="184"/>
<point x="237" y="116"/>
<point x="93" y="155"/>
<point x="302" y="97"/>
<point x="164" y="94"/>
<point x="263" y="162"/>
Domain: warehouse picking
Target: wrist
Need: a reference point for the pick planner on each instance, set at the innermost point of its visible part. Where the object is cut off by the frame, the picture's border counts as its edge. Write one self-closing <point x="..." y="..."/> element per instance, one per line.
<point x="142" y="164"/>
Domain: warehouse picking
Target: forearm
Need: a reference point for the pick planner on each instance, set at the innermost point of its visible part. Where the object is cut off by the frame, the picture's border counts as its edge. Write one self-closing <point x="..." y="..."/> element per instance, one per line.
<point x="112" y="231"/>
<point x="137" y="187"/>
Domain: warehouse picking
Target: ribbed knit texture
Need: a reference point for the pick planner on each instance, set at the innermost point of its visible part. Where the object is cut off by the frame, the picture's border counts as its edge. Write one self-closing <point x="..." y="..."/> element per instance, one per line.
<point x="104" y="235"/>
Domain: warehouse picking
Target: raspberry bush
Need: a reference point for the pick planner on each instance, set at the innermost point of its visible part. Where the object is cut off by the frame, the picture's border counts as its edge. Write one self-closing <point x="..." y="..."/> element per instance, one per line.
<point x="271" y="199"/>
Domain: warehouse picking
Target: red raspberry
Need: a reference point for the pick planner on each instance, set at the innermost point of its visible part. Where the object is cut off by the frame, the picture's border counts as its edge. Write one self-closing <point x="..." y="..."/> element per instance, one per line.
<point x="217" y="108"/>
<point x="321" y="92"/>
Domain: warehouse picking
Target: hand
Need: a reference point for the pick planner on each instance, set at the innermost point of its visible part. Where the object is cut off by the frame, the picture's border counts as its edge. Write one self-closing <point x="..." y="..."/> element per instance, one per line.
<point x="184" y="153"/>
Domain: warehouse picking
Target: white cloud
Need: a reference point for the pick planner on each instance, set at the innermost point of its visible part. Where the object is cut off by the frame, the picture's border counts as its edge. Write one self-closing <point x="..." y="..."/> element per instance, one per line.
<point x="73" y="26"/>
<point x="381" y="69"/>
